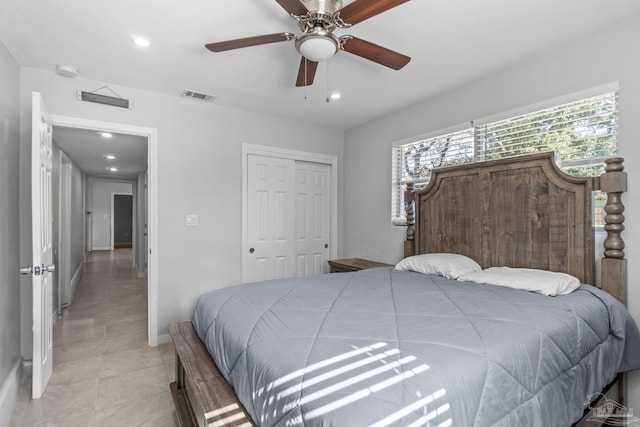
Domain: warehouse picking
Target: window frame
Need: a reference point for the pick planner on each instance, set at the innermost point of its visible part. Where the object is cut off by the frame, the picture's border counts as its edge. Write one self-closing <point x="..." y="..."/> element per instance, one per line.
<point x="479" y="148"/>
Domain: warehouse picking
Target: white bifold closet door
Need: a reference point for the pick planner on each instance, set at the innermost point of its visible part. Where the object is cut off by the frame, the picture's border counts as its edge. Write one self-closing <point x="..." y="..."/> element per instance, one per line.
<point x="288" y="218"/>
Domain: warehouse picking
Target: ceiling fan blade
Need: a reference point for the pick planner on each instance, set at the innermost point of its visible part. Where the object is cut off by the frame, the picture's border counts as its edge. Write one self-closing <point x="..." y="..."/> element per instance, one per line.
<point x="360" y="10"/>
<point x="249" y="41"/>
<point x="376" y="53"/>
<point x="294" y="7"/>
<point x="306" y="72"/>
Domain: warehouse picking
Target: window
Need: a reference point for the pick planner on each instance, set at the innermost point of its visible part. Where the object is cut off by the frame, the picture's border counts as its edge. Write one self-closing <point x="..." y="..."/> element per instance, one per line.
<point x="414" y="161"/>
<point x="582" y="133"/>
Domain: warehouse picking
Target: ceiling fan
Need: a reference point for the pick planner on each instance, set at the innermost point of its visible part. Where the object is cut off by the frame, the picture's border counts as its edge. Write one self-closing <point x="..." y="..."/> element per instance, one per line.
<point x="317" y="19"/>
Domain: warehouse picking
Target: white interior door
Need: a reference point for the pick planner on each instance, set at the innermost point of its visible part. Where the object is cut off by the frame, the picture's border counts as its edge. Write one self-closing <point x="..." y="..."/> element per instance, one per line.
<point x="312" y="218"/>
<point x="41" y="167"/>
<point x="271" y="214"/>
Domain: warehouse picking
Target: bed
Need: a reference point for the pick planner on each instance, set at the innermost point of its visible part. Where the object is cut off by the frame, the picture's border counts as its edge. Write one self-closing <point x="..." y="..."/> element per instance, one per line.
<point x="390" y="347"/>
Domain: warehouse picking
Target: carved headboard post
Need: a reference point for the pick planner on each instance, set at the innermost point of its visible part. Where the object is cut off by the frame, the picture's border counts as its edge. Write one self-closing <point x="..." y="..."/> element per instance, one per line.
<point x="613" y="265"/>
<point x="410" y="242"/>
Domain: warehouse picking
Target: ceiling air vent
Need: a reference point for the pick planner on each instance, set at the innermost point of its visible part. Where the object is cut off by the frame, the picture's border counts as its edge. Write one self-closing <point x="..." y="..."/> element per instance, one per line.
<point x="197" y="95"/>
<point x="104" y="99"/>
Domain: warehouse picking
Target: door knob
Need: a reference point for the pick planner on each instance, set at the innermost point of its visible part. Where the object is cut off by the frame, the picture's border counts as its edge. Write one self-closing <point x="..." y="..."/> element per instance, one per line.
<point x="38" y="269"/>
<point x="251" y="250"/>
<point x="50" y="268"/>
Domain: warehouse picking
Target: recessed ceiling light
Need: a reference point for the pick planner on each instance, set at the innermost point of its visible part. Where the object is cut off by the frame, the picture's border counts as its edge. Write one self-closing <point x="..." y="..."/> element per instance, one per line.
<point x="113" y="169"/>
<point x="333" y="97"/>
<point x="110" y="157"/>
<point x="140" y="41"/>
<point x="105" y="134"/>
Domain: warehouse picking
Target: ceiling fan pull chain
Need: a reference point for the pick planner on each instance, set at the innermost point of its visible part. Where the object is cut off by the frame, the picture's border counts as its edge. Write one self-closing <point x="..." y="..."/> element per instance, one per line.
<point x="305" y="78"/>
<point x="328" y="99"/>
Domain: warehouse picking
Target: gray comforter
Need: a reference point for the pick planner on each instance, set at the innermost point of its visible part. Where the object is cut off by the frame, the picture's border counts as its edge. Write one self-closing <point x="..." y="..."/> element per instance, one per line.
<point x="385" y="347"/>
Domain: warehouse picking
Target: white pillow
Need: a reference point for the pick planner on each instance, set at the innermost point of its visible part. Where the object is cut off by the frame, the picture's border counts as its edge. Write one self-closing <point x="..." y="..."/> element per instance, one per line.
<point x="541" y="281"/>
<point x="444" y="264"/>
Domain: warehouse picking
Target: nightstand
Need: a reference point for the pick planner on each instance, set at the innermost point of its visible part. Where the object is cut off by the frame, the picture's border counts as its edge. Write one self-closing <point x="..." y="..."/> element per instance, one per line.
<point x="353" y="264"/>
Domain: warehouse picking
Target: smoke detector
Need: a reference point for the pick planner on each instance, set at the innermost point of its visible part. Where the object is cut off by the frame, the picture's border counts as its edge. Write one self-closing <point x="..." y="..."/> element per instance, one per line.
<point x="67" y="71"/>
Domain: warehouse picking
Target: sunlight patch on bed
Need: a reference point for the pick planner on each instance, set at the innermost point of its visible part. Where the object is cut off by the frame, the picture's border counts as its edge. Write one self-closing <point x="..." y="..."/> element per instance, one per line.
<point x="361" y="394"/>
<point x="351" y="377"/>
<point x="338" y="371"/>
<point x="230" y="414"/>
<point x="352" y="381"/>
<point x="320" y="365"/>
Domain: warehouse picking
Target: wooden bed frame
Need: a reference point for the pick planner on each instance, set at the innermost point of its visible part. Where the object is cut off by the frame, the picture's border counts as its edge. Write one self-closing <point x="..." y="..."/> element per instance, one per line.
<point x="520" y="212"/>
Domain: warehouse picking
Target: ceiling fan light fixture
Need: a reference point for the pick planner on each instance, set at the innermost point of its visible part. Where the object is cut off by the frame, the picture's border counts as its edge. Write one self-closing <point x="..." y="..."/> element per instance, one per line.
<point x="318" y="45"/>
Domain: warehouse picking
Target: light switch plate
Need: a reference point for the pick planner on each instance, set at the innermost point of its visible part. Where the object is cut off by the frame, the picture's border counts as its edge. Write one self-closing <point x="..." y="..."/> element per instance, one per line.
<point x="191" y="220"/>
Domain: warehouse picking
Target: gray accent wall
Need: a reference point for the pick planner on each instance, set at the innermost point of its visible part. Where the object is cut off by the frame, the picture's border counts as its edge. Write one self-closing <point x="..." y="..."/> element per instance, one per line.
<point x="9" y="230"/>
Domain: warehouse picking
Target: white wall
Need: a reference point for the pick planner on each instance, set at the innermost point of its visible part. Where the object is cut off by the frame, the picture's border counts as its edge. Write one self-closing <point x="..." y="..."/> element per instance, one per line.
<point x="9" y="238"/>
<point x="199" y="171"/>
<point x="76" y="239"/>
<point x="76" y="231"/>
<point x="607" y="57"/>
<point x="101" y="210"/>
<point x="55" y="231"/>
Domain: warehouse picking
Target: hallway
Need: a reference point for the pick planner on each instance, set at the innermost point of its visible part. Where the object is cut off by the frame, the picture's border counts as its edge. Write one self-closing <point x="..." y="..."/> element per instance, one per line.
<point x="104" y="373"/>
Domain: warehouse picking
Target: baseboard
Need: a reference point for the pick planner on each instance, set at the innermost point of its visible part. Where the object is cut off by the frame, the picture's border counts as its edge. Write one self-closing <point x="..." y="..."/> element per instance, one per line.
<point x="9" y="393"/>
<point x="75" y="282"/>
<point x="164" y="338"/>
<point x="27" y="368"/>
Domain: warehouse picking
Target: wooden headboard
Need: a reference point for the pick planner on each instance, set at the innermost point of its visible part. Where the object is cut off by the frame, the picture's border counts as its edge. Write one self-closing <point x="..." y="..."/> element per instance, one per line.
<point x="520" y="211"/>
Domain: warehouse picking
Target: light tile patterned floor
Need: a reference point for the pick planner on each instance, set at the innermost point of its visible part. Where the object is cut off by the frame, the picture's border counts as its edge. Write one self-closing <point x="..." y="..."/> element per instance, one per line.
<point x="104" y="373"/>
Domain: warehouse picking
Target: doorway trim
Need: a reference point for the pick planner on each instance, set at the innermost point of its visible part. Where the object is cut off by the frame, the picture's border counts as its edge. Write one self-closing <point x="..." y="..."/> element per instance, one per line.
<point x="152" y="191"/>
<point x="283" y="153"/>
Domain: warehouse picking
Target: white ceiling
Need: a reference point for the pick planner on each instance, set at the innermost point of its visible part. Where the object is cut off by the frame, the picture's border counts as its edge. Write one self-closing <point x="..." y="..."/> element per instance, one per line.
<point x="88" y="149"/>
<point x="451" y="42"/>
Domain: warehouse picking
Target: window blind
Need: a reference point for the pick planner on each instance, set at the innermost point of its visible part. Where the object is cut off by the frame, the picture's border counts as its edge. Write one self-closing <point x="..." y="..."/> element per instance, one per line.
<point x="414" y="162"/>
<point x="582" y="133"/>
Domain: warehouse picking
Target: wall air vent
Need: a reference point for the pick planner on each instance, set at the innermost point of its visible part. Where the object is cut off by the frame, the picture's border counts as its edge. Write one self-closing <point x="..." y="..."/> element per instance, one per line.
<point x="197" y="95"/>
<point x="104" y="99"/>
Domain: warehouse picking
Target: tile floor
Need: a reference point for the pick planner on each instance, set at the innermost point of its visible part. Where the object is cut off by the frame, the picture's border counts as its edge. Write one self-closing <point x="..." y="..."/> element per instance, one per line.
<point x="104" y="373"/>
